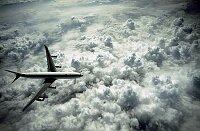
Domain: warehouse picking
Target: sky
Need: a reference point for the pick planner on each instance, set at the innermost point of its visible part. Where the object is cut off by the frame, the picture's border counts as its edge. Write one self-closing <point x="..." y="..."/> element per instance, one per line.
<point x="140" y="60"/>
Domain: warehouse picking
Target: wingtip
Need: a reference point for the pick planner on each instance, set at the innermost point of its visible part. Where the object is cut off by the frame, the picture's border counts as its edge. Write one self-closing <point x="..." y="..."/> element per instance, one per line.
<point x="7" y="70"/>
<point x="23" y="110"/>
<point x="11" y="71"/>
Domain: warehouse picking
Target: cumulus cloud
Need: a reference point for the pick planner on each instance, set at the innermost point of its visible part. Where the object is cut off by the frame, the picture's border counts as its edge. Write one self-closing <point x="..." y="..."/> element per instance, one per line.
<point x="155" y="55"/>
<point x="130" y="24"/>
<point x="108" y="41"/>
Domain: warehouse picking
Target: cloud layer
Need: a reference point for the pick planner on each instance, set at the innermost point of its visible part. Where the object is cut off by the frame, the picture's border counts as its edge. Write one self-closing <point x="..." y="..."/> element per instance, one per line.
<point x="141" y="70"/>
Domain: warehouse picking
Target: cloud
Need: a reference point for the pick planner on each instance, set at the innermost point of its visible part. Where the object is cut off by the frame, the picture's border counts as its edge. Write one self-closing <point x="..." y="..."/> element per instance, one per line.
<point x="156" y="55"/>
<point x="5" y="2"/>
<point x="128" y="99"/>
<point x="108" y="41"/>
<point x="130" y="24"/>
<point x="178" y="21"/>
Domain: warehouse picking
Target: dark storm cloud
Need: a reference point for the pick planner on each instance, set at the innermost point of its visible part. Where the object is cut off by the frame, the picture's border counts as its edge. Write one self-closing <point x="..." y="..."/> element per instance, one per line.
<point x="193" y="6"/>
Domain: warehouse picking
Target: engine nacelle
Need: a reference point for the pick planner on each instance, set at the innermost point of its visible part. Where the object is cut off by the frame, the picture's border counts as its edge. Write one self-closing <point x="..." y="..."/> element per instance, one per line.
<point x="58" y="66"/>
<point x="52" y="87"/>
<point x="54" y="56"/>
<point x="42" y="97"/>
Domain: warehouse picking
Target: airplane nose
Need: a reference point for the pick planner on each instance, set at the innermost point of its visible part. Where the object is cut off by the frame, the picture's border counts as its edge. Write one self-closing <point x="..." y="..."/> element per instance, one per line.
<point x="81" y="75"/>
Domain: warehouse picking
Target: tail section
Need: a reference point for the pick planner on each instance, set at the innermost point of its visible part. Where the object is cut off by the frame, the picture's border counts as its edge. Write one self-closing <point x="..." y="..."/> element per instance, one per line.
<point x="16" y="73"/>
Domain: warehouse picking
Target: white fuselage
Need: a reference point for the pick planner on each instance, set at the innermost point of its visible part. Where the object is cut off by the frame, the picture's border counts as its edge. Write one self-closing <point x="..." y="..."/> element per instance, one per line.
<point x="56" y="75"/>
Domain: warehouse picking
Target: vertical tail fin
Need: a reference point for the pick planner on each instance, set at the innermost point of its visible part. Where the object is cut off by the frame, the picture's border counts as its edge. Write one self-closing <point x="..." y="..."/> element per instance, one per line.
<point x="16" y="73"/>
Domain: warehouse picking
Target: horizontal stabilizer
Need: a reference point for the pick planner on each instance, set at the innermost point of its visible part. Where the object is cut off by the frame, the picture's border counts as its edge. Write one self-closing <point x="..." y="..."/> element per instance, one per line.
<point x="58" y="66"/>
<point x="16" y="73"/>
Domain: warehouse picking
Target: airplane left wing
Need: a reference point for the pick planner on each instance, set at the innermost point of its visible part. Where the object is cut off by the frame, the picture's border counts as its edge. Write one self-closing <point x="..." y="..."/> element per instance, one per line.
<point x="44" y="87"/>
<point x="48" y="81"/>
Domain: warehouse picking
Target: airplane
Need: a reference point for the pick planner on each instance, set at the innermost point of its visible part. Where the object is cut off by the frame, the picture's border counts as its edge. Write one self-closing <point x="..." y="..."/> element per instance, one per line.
<point x="49" y="77"/>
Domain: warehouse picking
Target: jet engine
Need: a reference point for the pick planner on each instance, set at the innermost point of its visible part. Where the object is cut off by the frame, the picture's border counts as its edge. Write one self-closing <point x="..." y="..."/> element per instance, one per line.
<point x="42" y="97"/>
<point x="58" y="66"/>
<point x="54" y="56"/>
<point x="52" y="87"/>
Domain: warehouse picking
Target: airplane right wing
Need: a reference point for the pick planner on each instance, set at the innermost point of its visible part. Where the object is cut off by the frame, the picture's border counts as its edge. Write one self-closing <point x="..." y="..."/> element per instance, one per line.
<point x="38" y="94"/>
<point x="50" y="63"/>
